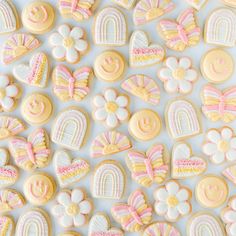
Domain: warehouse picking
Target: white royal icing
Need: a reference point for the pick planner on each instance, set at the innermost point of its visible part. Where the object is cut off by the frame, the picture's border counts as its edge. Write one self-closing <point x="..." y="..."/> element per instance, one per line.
<point x="125" y="3"/>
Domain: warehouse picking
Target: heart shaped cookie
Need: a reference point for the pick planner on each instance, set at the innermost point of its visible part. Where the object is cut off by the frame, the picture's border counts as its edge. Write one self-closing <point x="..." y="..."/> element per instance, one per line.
<point x="100" y="225"/>
<point x="197" y="4"/>
<point x="6" y="226"/>
<point x="125" y="3"/>
<point x="69" y="170"/>
<point x="184" y="164"/>
<point x="36" y="73"/>
<point x="8" y="173"/>
<point x="142" y="53"/>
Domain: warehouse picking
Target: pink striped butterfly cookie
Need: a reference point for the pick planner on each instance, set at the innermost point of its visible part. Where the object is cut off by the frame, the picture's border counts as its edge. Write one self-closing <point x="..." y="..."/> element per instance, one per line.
<point x="8" y="173"/>
<point x="31" y="153"/>
<point x="230" y="173"/>
<point x="143" y="87"/>
<point x="141" y="52"/>
<point x="36" y="73"/>
<point x="9" y="21"/>
<point x="184" y="164"/>
<point x="108" y="143"/>
<point x="10" y="126"/>
<point x="77" y="9"/>
<point x="7" y="226"/>
<point x="150" y="167"/>
<point x="219" y="105"/>
<point x="148" y="10"/>
<point x="10" y="200"/>
<point x="69" y="170"/>
<point x="100" y="224"/>
<point x="135" y="214"/>
<point x="69" y="85"/>
<point x="197" y="4"/>
<point x="127" y="4"/>
<point x="180" y="33"/>
<point x="17" y="45"/>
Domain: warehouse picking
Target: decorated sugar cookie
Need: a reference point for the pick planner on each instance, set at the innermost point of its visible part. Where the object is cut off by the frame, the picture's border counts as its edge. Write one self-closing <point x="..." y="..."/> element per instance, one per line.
<point x="227" y="216"/>
<point x="220" y="28"/>
<point x="39" y="188"/>
<point x="172" y="201"/>
<point x="72" y="208"/>
<point x="107" y="34"/>
<point x="34" y="222"/>
<point x="135" y="214"/>
<point x="70" y="128"/>
<point x="109" y="143"/>
<point x="204" y="223"/>
<point x="211" y="191"/>
<point x="17" y="45"/>
<point x="146" y="10"/>
<point x="145" y="125"/>
<point x="180" y="33"/>
<point x="36" y="73"/>
<point x="111" y="108"/>
<point x="78" y="10"/>
<point x="100" y="224"/>
<point x="109" y="66"/>
<point x="143" y="87"/>
<point x="220" y="145"/>
<point x="38" y="17"/>
<point x="184" y="163"/>
<point x="182" y="119"/>
<point x="69" y="44"/>
<point x="31" y="153"/>
<point x="150" y="167"/>
<point x="10" y="92"/>
<point x="8" y="173"/>
<point x="142" y="53"/>
<point x="197" y="4"/>
<point x="177" y="75"/>
<point x="69" y="170"/>
<point x="161" y="228"/>
<point x="109" y="180"/>
<point x="69" y="85"/>
<point x="217" y="65"/>
<point x="70" y="233"/>
<point x="7" y="226"/>
<point x="230" y="173"/>
<point x="219" y="105"/>
<point x="10" y="200"/>
<point x="125" y="3"/>
<point x="37" y="108"/>
<point x="10" y="126"/>
<point x="231" y="3"/>
<point x="9" y="20"/>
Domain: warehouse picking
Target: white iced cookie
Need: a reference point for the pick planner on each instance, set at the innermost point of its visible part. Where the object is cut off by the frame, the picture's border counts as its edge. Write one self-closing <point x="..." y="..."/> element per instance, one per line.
<point x="68" y="43"/>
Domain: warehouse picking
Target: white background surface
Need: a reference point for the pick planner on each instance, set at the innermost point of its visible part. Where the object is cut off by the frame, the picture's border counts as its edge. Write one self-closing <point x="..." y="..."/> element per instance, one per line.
<point x="97" y="86"/>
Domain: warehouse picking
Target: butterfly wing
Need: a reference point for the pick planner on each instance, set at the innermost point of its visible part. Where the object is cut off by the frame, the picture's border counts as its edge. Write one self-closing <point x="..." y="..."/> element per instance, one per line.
<point x="39" y="141"/>
<point x="230" y="105"/>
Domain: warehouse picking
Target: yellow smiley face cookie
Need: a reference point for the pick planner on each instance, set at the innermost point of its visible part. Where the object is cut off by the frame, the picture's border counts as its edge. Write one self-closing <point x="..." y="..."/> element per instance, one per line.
<point x="217" y="66"/>
<point x="38" y="17"/>
<point x="39" y="188"/>
<point x="36" y="108"/>
<point x="145" y="125"/>
<point x="211" y="191"/>
<point x="109" y="66"/>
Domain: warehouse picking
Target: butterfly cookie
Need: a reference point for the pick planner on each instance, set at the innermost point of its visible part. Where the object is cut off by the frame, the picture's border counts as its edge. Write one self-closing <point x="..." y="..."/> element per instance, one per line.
<point x="182" y="32"/>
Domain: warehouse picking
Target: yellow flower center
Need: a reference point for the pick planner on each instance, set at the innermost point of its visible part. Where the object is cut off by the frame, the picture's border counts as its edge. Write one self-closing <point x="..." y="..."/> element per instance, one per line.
<point x="2" y="93"/>
<point x="69" y="42"/>
<point x="172" y="201"/>
<point x="111" y="107"/>
<point x="72" y="209"/>
<point x="223" y="146"/>
<point x="179" y="73"/>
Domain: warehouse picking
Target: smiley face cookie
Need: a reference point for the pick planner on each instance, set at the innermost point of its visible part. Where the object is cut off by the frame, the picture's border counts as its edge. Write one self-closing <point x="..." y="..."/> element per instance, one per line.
<point x="39" y="188"/>
<point x="145" y="125"/>
<point x="211" y="191"/>
<point x="38" y="17"/>
<point x="217" y="65"/>
<point x="36" y="108"/>
<point x="109" y="66"/>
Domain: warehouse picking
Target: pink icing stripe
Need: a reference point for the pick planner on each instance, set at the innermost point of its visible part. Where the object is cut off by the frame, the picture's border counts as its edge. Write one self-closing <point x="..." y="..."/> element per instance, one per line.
<point x="72" y="168"/>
